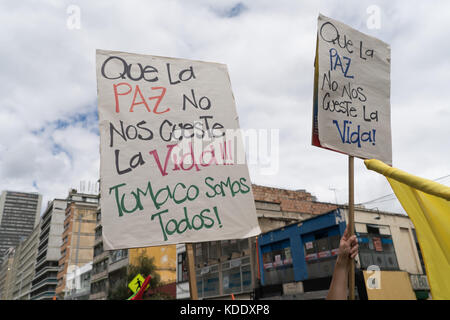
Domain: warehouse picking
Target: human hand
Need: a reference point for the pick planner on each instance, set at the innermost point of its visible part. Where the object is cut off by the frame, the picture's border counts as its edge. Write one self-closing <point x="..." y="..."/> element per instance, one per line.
<point x="348" y="249"/>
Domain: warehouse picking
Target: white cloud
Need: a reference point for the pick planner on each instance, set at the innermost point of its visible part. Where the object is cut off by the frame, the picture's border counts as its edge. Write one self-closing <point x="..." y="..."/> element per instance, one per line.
<point x="48" y="82"/>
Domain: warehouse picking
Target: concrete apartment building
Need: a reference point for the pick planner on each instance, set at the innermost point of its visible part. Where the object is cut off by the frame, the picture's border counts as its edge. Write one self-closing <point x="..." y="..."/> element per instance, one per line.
<point x="78" y="234"/>
<point x="99" y="273"/>
<point x="7" y="275"/>
<point x="50" y="240"/>
<point x="25" y="260"/>
<point x="52" y="225"/>
<point x="19" y="214"/>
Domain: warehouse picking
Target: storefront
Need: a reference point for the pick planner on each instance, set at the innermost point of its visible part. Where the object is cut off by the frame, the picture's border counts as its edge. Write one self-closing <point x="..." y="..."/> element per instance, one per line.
<point x="300" y="251"/>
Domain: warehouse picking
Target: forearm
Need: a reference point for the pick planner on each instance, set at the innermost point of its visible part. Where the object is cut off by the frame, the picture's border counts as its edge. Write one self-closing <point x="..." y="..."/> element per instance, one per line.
<point x="339" y="282"/>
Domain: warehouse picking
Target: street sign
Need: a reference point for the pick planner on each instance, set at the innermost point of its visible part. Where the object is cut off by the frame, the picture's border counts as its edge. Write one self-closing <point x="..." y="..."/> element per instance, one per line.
<point x="136" y="283"/>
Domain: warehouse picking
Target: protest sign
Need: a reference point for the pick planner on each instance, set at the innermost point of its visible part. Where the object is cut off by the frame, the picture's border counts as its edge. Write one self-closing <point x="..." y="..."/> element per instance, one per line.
<point x="172" y="162"/>
<point x="351" y="112"/>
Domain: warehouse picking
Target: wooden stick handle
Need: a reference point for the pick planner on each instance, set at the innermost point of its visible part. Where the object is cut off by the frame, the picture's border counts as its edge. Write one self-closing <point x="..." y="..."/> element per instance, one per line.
<point x="351" y="222"/>
<point x="191" y="271"/>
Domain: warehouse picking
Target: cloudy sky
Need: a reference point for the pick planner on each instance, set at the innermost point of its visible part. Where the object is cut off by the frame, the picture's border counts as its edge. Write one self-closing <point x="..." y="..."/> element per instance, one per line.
<point x="48" y="113"/>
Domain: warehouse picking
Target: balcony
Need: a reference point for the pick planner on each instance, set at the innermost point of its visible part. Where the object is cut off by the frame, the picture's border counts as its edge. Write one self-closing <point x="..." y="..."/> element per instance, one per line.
<point x="119" y="264"/>
<point x="45" y="231"/>
<point x="45" y="270"/>
<point x="102" y="256"/>
<point x="46" y="295"/>
<point x="44" y="282"/>
<point x="99" y="276"/>
<point x="98" y="295"/>
<point x="41" y="261"/>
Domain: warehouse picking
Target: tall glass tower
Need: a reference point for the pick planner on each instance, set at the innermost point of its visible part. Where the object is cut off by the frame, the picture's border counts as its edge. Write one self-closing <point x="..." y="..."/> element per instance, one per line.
<point x="19" y="214"/>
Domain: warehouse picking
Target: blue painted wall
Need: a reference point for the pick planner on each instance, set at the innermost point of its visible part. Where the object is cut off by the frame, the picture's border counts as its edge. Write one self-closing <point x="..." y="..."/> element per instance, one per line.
<point x="295" y="235"/>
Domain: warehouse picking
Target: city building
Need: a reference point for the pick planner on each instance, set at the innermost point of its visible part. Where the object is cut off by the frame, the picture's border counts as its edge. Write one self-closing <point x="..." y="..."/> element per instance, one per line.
<point x="77" y="247"/>
<point x="50" y="240"/>
<point x="99" y="273"/>
<point x="25" y="255"/>
<point x="297" y="261"/>
<point x="54" y="222"/>
<point x="388" y="241"/>
<point x="19" y="214"/>
<point x="7" y="275"/>
<point x="79" y="283"/>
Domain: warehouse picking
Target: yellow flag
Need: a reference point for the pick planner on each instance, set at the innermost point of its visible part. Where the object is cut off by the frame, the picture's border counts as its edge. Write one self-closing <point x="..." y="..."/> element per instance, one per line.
<point x="427" y="203"/>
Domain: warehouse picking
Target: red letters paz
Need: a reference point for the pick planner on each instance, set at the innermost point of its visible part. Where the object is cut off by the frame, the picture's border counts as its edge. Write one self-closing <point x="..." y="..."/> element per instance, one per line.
<point x="125" y="89"/>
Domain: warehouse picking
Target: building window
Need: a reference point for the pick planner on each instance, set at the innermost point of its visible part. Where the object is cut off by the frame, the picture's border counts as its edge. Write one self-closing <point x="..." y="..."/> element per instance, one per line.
<point x="117" y="255"/>
<point x="231" y="280"/>
<point x="182" y="268"/>
<point x="277" y="262"/>
<point x="236" y="276"/>
<point x="234" y="248"/>
<point x="203" y="252"/>
<point x="213" y="250"/>
<point x="373" y="229"/>
<point x="99" y="286"/>
<point x="199" y="283"/>
<point x="98" y="249"/>
<point x="376" y="249"/>
<point x="99" y="267"/>
<point x="243" y="244"/>
<point x="320" y="249"/>
<point x="419" y="251"/>
<point x="210" y="281"/>
<point x="98" y="233"/>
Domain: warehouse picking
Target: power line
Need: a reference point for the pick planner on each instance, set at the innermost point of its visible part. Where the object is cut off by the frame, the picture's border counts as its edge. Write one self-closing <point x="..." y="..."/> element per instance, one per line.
<point x="392" y="194"/>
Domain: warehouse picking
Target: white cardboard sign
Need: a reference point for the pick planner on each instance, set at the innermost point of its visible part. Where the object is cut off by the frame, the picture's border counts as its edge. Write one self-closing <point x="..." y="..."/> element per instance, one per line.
<point x="170" y="171"/>
<point x="351" y="112"/>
